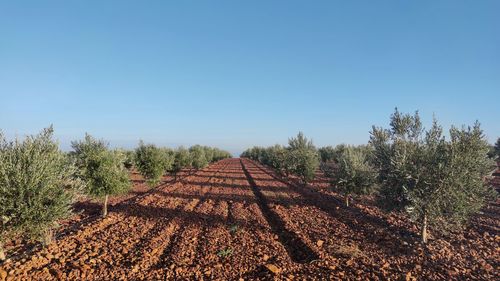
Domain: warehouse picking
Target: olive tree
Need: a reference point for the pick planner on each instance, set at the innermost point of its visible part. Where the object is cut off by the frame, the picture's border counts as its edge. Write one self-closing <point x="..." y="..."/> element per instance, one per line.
<point x="209" y="153"/>
<point x="220" y="154"/>
<point x="353" y="173"/>
<point x="438" y="182"/>
<point x="152" y="162"/>
<point x="327" y="154"/>
<point x="299" y="158"/>
<point x="254" y="153"/>
<point x="198" y="157"/>
<point x="182" y="160"/>
<point x="169" y="155"/>
<point x="329" y="159"/>
<point x="276" y="157"/>
<point x="101" y="169"/>
<point x="37" y="187"/>
<point x="302" y="157"/>
<point x="129" y="159"/>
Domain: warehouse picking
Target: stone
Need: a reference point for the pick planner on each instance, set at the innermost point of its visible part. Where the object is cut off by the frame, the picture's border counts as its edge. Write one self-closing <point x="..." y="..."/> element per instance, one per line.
<point x="3" y="275"/>
<point x="273" y="268"/>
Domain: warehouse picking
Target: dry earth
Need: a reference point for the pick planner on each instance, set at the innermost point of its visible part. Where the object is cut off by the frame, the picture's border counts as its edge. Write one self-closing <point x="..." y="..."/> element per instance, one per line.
<point x="238" y="220"/>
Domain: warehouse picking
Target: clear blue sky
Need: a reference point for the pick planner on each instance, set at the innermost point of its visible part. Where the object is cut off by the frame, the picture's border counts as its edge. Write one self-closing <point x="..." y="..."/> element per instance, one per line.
<point x="240" y="73"/>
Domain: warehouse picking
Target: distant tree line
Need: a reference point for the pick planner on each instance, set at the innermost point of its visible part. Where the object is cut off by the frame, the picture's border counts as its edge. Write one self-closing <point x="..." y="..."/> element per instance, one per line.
<point x="39" y="183"/>
<point x="299" y="158"/>
<point x="153" y="162"/>
<point x="438" y="181"/>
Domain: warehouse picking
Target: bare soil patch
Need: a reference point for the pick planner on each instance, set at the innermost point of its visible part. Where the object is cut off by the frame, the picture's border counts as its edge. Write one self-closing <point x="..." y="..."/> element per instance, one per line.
<point x="236" y="220"/>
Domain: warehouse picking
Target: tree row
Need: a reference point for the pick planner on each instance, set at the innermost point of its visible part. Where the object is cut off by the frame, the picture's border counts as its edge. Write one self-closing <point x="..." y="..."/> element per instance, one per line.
<point x="39" y="183"/>
<point x="439" y="181"/>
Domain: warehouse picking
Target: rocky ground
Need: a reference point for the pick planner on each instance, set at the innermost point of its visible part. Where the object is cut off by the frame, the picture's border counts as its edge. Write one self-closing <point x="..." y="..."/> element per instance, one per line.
<point x="237" y="220"/>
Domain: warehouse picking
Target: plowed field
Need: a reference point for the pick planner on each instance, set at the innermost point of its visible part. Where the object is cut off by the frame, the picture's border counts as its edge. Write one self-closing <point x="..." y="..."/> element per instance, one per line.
<point x="237" y="220"/>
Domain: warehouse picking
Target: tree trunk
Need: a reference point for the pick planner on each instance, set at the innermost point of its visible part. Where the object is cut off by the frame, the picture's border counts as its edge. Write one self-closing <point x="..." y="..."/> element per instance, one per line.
<point x="2" y="253"/>
<point x="424" y="229"/>
<point x="105" y="207"/>
<point x="347" y="200"/>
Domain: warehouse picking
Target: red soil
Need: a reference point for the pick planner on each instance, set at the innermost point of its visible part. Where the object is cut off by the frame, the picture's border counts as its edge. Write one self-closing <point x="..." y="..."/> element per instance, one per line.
<point x="238" y="220"/>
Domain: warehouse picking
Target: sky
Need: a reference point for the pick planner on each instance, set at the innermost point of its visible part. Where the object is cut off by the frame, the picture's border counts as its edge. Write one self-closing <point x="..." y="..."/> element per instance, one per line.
<point x="234" y="74"/>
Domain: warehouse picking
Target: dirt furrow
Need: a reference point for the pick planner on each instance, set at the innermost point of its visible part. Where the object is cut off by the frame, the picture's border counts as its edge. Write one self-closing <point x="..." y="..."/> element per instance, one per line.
<point x="296" y="248"/>
<point x="179" y="253"/>
<point x="232" y="250"/>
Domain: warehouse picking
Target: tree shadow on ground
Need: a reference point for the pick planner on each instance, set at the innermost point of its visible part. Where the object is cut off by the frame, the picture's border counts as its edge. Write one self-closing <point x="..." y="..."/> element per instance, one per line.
<point x="392" y="237"/>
